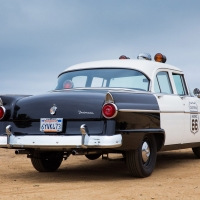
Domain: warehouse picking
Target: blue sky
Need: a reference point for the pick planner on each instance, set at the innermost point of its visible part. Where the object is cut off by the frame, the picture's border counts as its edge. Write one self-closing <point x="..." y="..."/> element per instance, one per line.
<point x="41" y="38"/>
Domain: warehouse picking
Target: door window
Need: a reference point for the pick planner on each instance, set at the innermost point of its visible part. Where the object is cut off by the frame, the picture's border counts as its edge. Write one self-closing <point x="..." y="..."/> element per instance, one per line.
<point x="180" y="84"/>
<point x="162" y="83"/>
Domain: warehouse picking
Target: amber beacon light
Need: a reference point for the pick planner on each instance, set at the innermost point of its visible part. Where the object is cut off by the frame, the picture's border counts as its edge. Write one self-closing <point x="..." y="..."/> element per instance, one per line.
<point x="160" y="58"/>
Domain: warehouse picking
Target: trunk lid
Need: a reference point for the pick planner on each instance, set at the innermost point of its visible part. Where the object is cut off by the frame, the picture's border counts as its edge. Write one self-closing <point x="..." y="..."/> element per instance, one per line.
<point x="70" y="105"/>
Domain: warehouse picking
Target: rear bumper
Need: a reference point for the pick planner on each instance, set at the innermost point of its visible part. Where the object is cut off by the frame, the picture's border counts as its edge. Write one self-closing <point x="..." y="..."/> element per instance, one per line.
<point x="46" y="141"/>
<point x="3" y="141"/>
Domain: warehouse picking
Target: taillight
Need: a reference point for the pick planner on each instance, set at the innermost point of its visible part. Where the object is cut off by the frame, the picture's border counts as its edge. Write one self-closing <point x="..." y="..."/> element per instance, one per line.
<point x="109" y="110"/>
<point x="2" y="112"/>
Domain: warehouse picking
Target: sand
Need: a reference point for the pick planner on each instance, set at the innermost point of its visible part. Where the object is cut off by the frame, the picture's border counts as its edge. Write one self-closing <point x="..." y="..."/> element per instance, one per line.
<point x="176" y="176"/>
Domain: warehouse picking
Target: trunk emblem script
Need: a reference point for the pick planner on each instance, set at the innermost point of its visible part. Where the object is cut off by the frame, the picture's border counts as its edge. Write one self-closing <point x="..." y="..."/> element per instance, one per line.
<point x="53" y="109"/>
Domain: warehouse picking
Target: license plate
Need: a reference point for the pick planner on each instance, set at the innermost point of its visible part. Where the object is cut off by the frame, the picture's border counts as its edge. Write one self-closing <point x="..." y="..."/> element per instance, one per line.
<point x="51" y="124"/>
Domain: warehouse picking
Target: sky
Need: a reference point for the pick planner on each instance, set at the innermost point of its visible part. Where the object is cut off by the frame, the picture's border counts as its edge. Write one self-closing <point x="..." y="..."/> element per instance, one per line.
<point x="41" y="38"/>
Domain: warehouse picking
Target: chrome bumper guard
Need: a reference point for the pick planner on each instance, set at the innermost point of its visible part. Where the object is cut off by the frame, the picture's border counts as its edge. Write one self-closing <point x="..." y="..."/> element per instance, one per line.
<point x="60" y="141"/>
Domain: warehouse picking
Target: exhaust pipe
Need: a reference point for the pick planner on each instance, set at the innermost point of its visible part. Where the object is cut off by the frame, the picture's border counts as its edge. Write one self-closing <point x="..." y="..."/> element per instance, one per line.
<point x="74" y="152"/>
<point x="21" y="152"/>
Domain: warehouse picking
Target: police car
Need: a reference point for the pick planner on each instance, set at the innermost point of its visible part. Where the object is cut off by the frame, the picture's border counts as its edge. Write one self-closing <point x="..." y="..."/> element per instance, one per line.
<point x="131" y="107"/>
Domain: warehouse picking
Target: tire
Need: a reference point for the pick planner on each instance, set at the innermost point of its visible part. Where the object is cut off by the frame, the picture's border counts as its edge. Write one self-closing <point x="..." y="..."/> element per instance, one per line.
<point x="139" y="163"/>
<point x="196" y="151"/>
<point x="48" y="161"/>
<point x="93" y="156"/>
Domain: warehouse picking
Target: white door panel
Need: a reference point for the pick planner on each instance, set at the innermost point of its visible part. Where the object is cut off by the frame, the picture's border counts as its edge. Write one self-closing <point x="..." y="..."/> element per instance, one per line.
<point x="172" y="123"/>
<point x="170" y="103"/>
<point x="171" y="118"/>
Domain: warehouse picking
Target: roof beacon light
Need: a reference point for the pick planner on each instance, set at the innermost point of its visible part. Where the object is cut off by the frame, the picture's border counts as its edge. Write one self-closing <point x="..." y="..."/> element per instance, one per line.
<point x="124" y="57"/>
<point x="160" y="58"/>
<point x="144" y="56"/>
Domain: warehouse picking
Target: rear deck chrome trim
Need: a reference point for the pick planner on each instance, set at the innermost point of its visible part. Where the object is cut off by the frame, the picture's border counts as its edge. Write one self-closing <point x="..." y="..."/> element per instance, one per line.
<point x="156" y="111"/>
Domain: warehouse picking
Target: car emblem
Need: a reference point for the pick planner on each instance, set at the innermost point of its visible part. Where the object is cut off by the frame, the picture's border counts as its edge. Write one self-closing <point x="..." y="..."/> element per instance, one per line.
<point x="53" y="109"/>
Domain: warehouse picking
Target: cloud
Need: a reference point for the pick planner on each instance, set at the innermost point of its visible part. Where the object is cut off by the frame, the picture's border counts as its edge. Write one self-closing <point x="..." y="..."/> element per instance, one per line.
<point x="42" y="38"/>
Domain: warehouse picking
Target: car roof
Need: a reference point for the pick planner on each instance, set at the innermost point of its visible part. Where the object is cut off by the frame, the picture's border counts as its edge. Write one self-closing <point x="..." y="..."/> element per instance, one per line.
<point x="147" y="67"/>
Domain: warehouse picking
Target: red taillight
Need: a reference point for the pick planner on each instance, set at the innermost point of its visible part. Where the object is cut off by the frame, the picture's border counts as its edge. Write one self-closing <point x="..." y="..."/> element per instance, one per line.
<point x="109" y="110"/>
<point x="2" y="112"/>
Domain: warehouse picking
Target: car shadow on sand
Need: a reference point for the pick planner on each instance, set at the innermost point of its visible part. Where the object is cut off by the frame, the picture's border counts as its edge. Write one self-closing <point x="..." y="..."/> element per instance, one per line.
<point x="101" y="170"/>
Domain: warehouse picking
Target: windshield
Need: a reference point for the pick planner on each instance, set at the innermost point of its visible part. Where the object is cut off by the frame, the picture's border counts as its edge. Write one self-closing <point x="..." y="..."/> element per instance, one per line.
<point x="103" y="78"/>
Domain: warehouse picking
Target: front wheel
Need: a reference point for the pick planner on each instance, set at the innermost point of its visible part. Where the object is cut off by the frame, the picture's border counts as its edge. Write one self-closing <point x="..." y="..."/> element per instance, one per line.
<point x="48" y="161"/>
<point x="141" y="162"/>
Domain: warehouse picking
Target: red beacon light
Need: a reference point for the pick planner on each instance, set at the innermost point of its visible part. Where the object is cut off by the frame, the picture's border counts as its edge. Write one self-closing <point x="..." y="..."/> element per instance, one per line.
<point x="123" y="57"/>
<point x="160" y="58"/>
<point x="109" y="110"/>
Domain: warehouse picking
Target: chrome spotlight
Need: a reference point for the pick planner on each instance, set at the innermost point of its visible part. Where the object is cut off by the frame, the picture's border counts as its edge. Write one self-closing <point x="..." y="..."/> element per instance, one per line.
<point x="144" y="56"/>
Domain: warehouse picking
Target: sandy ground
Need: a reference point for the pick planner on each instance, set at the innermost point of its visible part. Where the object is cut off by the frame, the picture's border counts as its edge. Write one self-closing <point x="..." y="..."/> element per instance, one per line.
<point x="176" y="176"/>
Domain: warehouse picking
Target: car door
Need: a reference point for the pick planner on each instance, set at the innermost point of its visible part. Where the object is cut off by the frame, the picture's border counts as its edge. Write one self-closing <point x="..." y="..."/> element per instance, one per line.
<point x="191" y="110"/>
<point x="171" y="107"/>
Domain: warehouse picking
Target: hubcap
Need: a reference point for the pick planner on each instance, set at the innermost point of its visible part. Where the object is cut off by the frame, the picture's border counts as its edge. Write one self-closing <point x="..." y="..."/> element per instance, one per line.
<point x="145" y="152"/>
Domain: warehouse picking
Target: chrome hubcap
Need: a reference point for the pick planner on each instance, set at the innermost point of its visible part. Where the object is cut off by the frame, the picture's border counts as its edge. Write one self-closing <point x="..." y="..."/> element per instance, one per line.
<point x="145" y="152"/>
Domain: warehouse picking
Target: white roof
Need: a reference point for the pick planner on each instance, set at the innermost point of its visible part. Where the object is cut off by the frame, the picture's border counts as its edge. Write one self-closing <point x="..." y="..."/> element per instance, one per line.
<point x="147" y="67"/>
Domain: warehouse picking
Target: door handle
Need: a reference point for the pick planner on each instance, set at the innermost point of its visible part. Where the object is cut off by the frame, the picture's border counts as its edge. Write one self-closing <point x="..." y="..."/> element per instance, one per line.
<point x="182" y="97"/>
<point x="159" y="96"/>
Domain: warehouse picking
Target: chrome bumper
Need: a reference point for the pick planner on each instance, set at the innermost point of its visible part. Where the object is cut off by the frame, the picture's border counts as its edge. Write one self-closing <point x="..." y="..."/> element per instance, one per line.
<point x="67" y="142"/>
<point x="60" y="141"/>
<point x="3" y="141"/>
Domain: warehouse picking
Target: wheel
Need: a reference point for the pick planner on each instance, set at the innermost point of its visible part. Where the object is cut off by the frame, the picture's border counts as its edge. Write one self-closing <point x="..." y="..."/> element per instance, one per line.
<point x="93" y="156"/>
<point x="196" y="151"/>
<point x="141" y="162"/>
<point x="48" y="161"/>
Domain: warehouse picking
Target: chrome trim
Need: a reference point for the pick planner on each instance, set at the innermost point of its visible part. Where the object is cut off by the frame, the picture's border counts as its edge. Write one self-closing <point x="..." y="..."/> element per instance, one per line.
<point x="85" y="136"/>
<point x="53" y="109"/>
<point x="144" y="56"/>
<point x="84" y="129"/>
<point x="1" y="102"/>
<point x="156" y="111"/>
<point x="109" y="98"/>
<point x="4" y="110"/>
<point x="137" y="110"/>
<point x="116" y="111"/>
<point x="60" y="141"/>
<point x="8" y="129"/>
<point x="145" y="152"/>
<point x="9" y="133"/>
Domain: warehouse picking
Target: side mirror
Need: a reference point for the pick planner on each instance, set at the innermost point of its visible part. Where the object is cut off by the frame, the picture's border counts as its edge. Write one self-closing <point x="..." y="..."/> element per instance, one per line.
<point x="196" y="92"/>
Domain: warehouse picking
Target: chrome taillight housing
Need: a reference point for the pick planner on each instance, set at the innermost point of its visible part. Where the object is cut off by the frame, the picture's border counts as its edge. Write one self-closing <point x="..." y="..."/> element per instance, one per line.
<point x="109" y="110"/>
<point x="2" y="112"/>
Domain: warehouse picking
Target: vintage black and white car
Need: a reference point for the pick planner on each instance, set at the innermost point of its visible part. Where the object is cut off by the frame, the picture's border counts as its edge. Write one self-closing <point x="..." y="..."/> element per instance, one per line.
<point x="131" y="107"/>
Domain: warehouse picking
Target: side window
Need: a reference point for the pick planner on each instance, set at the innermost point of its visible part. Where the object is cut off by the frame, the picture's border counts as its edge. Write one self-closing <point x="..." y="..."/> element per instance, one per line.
<point x="180" y="84"/>
<point x="162" y="83"/>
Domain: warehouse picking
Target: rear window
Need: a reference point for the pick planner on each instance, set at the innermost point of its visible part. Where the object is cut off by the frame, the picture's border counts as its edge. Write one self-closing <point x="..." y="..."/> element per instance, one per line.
<point x="104" y="78"/>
